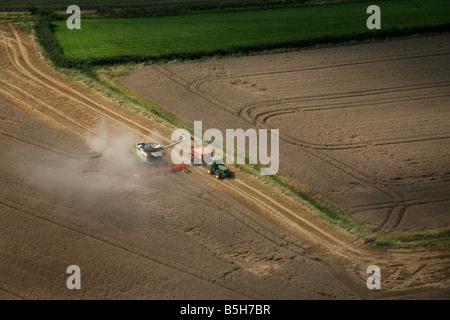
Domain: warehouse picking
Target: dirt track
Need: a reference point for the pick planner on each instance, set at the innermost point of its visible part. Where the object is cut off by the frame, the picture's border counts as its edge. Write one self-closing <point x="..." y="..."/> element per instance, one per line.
<point x="69" y="197"/>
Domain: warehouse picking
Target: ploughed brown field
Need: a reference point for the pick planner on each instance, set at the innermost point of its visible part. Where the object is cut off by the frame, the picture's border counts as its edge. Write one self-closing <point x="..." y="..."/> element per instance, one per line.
<point x="367" y="127"/>
<point x="69" y="197"/>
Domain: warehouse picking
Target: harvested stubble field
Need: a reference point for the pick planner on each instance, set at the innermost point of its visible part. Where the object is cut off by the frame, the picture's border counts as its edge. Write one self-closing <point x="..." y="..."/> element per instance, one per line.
<point x="69" y="196"/>
<point x="366" y="127"/>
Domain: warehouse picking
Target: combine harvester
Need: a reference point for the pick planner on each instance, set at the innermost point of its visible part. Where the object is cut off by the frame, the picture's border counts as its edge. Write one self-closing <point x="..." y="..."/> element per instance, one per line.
<point x="151" y="153"/>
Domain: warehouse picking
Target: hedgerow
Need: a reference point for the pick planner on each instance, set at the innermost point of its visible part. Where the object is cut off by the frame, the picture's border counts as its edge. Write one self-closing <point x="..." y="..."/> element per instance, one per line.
<point x="190" y="7"/>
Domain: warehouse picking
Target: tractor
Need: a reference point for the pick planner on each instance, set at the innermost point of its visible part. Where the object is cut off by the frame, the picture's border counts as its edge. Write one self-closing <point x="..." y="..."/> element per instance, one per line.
<point x="215" y="166"/>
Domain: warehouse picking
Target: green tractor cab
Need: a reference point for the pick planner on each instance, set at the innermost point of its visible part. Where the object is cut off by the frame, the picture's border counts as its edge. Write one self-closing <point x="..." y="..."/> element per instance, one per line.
<point x="215" y="167"/>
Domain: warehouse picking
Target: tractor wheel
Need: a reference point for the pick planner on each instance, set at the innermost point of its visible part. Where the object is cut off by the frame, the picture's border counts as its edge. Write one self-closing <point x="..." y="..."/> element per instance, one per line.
<point x="218" y="174"/>
<point x="209" y="170"/>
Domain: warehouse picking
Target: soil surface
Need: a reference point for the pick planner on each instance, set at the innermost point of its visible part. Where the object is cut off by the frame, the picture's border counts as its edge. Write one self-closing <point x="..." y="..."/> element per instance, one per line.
<point x="367" y="127"/>
<point x="69" y="197"/>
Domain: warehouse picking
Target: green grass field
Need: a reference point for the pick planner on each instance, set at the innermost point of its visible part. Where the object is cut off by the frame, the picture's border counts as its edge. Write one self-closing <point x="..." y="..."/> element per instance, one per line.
<point x="210" y="31"/>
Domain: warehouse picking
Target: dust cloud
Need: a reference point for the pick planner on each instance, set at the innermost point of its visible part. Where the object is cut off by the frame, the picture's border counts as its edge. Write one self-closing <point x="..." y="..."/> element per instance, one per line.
<point x="100" y="167"/>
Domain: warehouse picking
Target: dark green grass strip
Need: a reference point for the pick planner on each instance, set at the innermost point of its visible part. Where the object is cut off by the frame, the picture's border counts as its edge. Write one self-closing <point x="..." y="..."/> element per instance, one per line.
<point x="412" y="239"/>
<point x="44" y="31"/>
<point x="194" y="35"/>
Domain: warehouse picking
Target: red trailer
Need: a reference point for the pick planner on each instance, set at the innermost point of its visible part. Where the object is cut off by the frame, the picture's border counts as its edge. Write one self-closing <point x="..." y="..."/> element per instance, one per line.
<point x="203" y="155"/>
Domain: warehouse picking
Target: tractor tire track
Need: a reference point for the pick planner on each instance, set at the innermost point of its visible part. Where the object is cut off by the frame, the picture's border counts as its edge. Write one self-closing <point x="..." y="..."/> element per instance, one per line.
<point x="129" y="248"/>
<point x="28" y="70"/>
<point x="352" y="250"/>
<point x="244" y="219"/>
<point x="267" y="115"/>
<point x="198" y="83"/>
<point x="410" y="202"/>
<point x="51" y="114"/>
<point x="396" y="198"/>
<point x="273" y="207"/>
<point x="53" y="149"/>
<point x="12" y="292"/>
